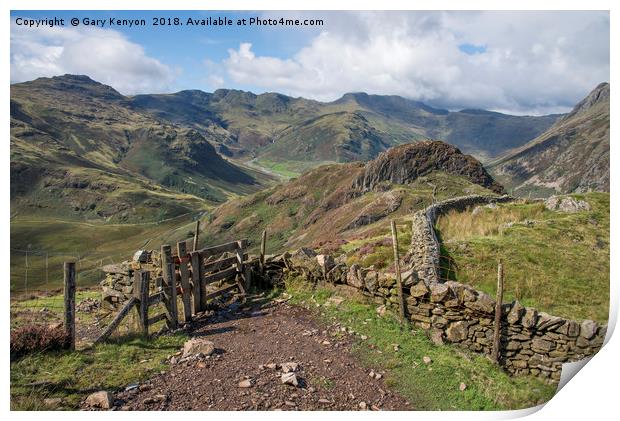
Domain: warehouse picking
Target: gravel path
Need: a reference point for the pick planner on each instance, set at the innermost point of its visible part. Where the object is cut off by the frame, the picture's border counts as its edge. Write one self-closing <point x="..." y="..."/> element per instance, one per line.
<point x="252" y="343"/>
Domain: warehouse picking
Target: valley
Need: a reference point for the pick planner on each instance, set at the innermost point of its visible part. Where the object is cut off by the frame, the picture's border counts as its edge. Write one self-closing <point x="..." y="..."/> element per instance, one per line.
<point x="145" y="167"/>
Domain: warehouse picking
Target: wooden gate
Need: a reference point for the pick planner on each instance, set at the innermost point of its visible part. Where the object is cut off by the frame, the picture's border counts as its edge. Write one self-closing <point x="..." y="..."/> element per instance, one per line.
<point x="191" y="275"/>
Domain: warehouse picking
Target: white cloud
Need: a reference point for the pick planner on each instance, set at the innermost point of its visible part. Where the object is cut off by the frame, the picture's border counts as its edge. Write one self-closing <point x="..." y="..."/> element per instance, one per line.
<point x="103" y="54"/>
<point x="534" y="62"/>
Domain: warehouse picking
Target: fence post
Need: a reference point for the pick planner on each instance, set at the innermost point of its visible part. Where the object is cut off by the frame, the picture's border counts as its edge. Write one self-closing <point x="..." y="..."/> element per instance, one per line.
<point x="196" y="232"/>
<point x="262" y="251"/>
<point x="141" y="292"/>
<point x="69" y="281"/>
<point x="170" y="288"/>
<point x="399" y="283"/>
<point x="183" y="258"/>
<point x="197" y="280"/>
<point x="498" y="312"/>
<point x="240" y="273"/>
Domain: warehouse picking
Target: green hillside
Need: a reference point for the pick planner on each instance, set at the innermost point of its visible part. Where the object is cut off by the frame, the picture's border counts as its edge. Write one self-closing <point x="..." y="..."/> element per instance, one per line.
<point x="557" y="262"/>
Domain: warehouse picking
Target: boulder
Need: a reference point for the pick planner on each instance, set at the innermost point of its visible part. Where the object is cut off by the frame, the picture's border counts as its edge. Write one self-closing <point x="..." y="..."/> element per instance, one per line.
<point x="335" y="275"/>
<point x="198" y="346"/>
<point x="542" y="346"/>
<point x="566" y="204"/>
<point x="371" y="280"/>
<point x="437" y="336"/>
<point x="102" y="399"/>
<point x="548" y="322"/>
<point x="409" y="278"/>
<point x="289" y="367"/>
<point x="289" y="378"/>
<point x="303" y="253"/>
<point x="141" y="256"/>
<point x="483" y="303"/>
<point x="246" y="383"/>
<point x="387" y="280"/>
<point x="469" y="294"/>
<point x="570" y="329"/>
<point x="529" y="318"/>
<point x="439" y="292"/>
<point x="304" y="260"/>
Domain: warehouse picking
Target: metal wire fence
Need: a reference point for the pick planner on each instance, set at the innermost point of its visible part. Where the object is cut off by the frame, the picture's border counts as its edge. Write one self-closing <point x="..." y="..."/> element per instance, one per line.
<point x="37" y="291"/>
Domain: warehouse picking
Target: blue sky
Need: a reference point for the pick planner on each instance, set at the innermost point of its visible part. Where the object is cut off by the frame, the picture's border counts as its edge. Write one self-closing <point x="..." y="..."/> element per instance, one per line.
<point x="517" y="62"/>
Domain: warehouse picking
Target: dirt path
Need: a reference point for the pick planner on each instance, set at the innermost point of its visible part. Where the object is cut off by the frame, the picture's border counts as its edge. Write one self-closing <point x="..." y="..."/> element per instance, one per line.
<point x="249" y="341"/>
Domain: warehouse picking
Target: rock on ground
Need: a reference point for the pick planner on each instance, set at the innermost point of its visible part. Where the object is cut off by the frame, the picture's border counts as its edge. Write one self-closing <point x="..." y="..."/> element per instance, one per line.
<point x="102" y="399"/>
<point x="566" y="204"/>
<point x="198" y="346"/>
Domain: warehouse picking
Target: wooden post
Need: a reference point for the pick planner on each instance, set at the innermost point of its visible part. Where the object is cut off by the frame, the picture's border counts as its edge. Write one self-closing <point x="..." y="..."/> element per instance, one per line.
<point x="197" y="282"/>
<point x="263" y="240"/>
<point x="240" y="273"/>
<point x="69" y="278"/>
<point x="170" y="289"/>
<point x="196" y="232"/>
<point x="498" y="312"/>
<point x="141" y="281"/>
<point x="399" y="282"/>
<point x="184" y="271"/>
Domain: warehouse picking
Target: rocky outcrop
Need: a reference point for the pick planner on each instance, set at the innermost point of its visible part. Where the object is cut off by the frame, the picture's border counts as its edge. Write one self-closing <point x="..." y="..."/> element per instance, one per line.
<point x="384" y="205"/>
<point x="403" y="164"/>
<point x="566" y="204"/>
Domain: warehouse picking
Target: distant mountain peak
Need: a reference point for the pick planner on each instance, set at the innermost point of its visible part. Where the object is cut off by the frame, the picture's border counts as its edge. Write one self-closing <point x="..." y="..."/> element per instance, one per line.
<point x="571" y="156"/>
<point x="598" y="95"/>
<point x="76" y="78"/>
<point x="77" y="83"/>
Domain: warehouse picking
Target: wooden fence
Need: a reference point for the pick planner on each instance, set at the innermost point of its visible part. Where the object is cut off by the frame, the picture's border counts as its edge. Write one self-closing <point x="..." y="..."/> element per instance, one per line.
<point x="188" y="275"/>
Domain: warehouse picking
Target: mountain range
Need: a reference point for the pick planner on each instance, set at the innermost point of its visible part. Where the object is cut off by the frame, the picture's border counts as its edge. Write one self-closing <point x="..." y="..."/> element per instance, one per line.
<point x="276" y="128"/>
<point x="78" y="149"/>
<point x="81" y="149"/>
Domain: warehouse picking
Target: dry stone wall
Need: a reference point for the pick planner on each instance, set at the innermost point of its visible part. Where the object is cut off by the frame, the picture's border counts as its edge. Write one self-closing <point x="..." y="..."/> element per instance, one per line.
<point x="531" y="342"/>
<point x="117" y="286"/>
<point x="424" y="253"/>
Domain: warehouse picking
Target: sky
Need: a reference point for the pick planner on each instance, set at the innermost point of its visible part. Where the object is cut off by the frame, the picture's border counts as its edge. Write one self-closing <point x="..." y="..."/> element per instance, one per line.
<point x="535" y="63"/>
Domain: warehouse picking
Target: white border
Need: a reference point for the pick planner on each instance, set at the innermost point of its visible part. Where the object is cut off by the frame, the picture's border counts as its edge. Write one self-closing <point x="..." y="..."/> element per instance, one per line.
<point x="592" y="394"/>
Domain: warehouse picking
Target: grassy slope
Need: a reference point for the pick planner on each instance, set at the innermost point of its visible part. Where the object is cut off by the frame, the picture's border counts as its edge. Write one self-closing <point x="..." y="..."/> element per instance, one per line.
<point x="312" y="211"/>
<point x="427" y="387"/>
<point x="91" y="177"/>
<point x="570" y="156"/>
<point x="92" y="241"/>
<point x="559" y="263"/>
